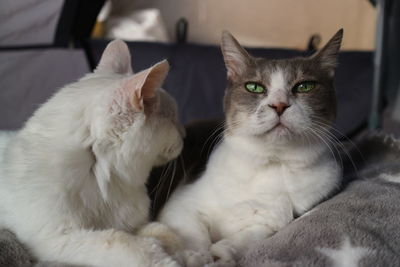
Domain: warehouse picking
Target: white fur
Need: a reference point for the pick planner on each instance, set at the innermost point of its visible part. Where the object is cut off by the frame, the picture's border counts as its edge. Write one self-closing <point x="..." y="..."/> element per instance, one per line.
<point x="347" y="255"/>
<point x="390" y="177"/>
<point x="253" y="184"/>
<point x="73" y="179"/>
<point x="278" y="83"/>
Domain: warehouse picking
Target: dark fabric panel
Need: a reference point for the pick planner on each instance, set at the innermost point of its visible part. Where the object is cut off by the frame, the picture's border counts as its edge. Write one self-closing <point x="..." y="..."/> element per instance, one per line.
<point x="30" y="77"/>
<point x="197" y="78"/>
<point x="392" y="52"/>
<point x="85" y="18"/>
<point x="62" y="35"/>
<point x="76" y="21"/>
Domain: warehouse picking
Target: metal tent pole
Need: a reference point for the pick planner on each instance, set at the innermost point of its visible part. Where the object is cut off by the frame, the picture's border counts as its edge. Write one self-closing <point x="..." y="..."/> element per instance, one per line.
<point x="375" y="118"/>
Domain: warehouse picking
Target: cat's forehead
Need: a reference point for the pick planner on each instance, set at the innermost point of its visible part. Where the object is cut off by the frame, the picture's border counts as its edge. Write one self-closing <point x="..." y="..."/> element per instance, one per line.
<point x="283" y="70"/>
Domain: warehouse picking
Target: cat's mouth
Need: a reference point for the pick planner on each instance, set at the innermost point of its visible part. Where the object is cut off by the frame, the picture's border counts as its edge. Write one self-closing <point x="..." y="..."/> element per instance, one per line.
<point x="279" y="128"/>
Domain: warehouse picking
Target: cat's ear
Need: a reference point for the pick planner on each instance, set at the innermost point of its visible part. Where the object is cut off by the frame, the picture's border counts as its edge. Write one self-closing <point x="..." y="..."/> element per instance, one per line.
<point x="144" y="84"/>
<point x="235" y="56"/>
<point x="116" y="58"/>
<point x="328" y="55"/>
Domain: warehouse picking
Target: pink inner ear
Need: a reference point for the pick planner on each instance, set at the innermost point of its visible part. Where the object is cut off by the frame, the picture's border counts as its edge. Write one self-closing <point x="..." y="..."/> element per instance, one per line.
<point x="131" y="93"/>
<point x="144" y="84"/>
<point x="137" y="89"/>
<point x="137" y="100"/>
<point x="141" y="87"/>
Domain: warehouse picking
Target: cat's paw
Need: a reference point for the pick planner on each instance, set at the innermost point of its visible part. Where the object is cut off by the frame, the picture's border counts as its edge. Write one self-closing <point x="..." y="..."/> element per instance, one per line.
<point x="166" y="262"/>
<point x="159" y="258"/>
<point x="196" y="258"/>
<point x="170" y="241"/>
<point x="223" y="253"/>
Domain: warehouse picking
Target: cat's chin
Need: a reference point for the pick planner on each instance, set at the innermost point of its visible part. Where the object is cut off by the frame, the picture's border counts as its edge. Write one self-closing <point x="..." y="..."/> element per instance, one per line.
<point x="161" y="160"/>
<point x="279" y="132"/>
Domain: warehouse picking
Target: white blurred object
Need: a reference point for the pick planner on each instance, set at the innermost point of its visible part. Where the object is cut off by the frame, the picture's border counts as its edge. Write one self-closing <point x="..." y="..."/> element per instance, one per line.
<point x="140" y="25"/>
<point x="105" y="11"/>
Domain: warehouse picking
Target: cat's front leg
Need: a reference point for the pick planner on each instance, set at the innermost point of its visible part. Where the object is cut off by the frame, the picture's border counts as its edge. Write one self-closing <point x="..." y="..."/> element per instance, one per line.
<point x="195" y="251"/>
<point x="228" y="250"/>
<point x="104" y="249"/>
<point x="249" y="223"/>
<point x="170" y="240"/>
<point x="190" y="253"/>
<point x="194" y="235"/>
<point x="224" y="253"/>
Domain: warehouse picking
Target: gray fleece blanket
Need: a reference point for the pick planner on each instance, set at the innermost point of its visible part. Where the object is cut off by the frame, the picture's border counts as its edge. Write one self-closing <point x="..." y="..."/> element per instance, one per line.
<point x="357" y="227"/>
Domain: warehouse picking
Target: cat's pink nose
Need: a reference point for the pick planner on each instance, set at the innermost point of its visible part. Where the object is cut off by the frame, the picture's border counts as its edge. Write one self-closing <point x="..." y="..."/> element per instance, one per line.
<point x="280" y="107"/>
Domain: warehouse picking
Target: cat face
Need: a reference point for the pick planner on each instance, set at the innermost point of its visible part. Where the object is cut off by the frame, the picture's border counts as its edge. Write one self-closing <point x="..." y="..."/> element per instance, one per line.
<point x="279" y="100"/>
<point x="133" y="119"/>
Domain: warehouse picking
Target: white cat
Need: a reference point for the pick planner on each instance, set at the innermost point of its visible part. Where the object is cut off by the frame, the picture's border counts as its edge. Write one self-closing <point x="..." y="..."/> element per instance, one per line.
<point x="273" y="162"/>
<point x="72" y="182"/>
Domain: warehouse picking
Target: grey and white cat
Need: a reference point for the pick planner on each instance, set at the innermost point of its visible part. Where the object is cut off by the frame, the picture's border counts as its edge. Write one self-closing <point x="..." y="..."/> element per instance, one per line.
<point x="272" y="163"/>
<point x="73" y="178"/>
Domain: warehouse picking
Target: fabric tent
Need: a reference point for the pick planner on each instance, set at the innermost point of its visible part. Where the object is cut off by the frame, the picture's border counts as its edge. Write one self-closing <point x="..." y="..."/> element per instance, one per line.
<point x="37" y="53"/>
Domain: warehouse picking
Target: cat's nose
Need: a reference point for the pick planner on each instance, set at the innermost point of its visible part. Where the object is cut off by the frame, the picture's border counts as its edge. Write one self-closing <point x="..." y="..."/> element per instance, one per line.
<point x="279" y="107"/>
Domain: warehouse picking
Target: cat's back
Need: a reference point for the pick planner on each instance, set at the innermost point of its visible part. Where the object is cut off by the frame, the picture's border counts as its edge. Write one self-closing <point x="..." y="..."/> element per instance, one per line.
<point x="5" y="139"/>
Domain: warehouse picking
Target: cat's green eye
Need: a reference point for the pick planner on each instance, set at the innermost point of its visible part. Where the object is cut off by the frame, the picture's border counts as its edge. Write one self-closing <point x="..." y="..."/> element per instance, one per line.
<point x="304" y="87"/>
<point x="253" y="87"/>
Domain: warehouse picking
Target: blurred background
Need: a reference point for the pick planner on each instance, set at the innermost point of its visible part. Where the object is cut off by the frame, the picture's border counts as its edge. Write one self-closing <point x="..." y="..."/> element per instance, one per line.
<point x="45" y="44"/>
<point x="260" y="23"/>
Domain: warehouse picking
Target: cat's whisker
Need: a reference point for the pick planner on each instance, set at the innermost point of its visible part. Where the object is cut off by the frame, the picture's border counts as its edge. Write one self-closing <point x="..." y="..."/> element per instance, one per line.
<point x="320" y="137"/>
<point x="332" y="141"/>
<point x="216" y="141"/>
<point x="183" y="168"/>
<point x="218" y="128"/>
<point x="219" y="137"/>
<point x="339" y="143"/>
<point x="232" y="125"/>
<point x="172" y="178"/>
<point x="320" y="121"/>
<point x="324" y="122"/>
<point x="164" y="170"/>
<point x="326" y="129"/>
<point x="161" y="181"/>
